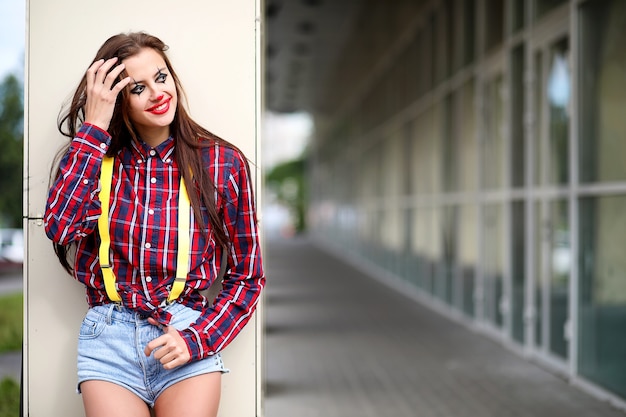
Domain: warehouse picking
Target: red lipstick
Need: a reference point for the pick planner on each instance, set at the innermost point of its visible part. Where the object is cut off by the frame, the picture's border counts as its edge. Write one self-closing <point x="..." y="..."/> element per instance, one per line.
<point x="160" y="108"/>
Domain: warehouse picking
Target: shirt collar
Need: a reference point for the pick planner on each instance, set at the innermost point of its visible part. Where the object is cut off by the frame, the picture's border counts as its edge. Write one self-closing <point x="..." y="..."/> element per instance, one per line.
<point x="164" y="150"/>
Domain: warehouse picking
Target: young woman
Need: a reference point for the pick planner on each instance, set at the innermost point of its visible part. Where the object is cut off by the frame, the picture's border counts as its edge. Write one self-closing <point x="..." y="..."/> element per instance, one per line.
<point x="143" y="205"/>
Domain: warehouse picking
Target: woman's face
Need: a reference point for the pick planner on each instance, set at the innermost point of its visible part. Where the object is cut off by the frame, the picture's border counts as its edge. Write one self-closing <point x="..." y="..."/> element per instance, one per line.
<point x="153" y="98"/>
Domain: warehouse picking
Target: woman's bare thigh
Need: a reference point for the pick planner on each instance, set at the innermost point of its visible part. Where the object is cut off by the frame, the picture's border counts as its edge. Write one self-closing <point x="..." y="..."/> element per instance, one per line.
<point x="106" y="399"/>
<point x="198" y="396"/>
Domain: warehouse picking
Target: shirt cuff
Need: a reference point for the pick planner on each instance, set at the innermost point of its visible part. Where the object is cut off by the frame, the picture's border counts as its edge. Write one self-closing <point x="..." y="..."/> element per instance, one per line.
<point x="198" y="349"/>
<point x="95" y="136"/>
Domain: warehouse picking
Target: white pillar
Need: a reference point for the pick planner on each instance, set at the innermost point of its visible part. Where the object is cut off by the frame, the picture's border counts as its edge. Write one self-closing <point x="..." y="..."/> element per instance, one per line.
<point x="215" y="49"/>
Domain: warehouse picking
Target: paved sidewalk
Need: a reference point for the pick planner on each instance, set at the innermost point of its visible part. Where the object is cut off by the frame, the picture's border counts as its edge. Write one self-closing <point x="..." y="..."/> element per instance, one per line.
<point x="341" y="344"/>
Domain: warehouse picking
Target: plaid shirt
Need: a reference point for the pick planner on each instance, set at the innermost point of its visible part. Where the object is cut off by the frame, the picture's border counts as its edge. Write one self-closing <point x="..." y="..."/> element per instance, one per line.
<point x="144" y="234"/>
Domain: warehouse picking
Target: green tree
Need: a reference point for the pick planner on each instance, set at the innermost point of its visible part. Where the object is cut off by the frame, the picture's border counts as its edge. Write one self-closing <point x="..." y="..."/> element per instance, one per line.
<point x="11" y="154"/>
<point x="288" y="182"/>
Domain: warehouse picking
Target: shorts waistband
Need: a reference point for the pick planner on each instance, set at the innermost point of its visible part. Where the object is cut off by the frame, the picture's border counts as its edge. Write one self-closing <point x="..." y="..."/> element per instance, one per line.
<point x="117" y="312"/>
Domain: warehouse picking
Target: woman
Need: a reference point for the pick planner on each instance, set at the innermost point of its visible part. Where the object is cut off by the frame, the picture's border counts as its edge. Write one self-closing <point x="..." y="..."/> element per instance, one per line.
<point x="151" y="338"/>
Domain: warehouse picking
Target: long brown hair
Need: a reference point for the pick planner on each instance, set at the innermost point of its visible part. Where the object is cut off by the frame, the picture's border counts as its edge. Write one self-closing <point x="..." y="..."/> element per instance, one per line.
<point x="189" y="135"/>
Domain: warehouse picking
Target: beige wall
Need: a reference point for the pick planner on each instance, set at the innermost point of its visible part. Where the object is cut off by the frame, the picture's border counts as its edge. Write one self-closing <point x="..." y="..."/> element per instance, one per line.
<point x="214" y="46"/>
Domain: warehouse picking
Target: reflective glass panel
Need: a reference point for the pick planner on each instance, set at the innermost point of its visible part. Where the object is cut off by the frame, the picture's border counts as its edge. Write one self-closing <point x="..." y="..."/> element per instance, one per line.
<point x="518" y="160"/>
<point x="560" y="259"/>
<point x="447" y="278"/>
<point x="558" y="92"/>
<point x="493" y="262"/>
<point x="602" y="96"/>
<point x="493" y="141"/>
<point x="518" y="270"/>
<point x="544" y="6"/>
<point x="602" y="311"/>
<point x="552" y="270"/>
<point x="468" y="256"/>
<point x="467" y="143"/>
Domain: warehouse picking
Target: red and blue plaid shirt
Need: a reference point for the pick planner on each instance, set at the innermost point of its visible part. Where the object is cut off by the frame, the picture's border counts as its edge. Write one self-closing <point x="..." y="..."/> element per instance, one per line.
<point x="144" y="234"/>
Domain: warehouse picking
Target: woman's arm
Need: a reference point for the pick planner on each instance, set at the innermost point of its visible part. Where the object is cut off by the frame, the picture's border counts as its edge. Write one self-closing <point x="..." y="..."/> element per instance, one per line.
<point x="244" y="278"/>
<point x="73" y="207"/>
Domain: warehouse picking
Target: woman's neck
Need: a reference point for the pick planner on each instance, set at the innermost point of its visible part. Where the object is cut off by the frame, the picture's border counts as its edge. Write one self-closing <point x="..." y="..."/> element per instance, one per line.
<point x="154" y="137"/>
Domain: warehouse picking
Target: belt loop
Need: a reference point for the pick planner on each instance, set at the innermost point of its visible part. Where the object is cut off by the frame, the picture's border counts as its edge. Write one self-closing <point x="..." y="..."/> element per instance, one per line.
<point x="110" y="314"/>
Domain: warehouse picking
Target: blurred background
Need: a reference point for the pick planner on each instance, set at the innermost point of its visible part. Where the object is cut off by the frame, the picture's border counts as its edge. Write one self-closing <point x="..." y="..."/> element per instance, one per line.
<point x="468" y="151"/>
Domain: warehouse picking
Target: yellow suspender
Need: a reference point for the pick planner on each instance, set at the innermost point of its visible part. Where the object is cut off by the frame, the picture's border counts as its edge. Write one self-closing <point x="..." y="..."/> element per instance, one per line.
<point x="103" y="227"/>
<point x="182" y="258"/>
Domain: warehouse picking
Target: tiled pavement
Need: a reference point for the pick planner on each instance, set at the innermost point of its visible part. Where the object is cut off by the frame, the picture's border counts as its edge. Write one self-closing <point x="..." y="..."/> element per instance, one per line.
<point x="341" y="344"/>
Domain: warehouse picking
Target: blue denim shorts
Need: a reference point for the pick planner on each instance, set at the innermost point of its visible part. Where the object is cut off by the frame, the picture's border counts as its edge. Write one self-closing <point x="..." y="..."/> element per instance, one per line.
<point x="111" y="348"/>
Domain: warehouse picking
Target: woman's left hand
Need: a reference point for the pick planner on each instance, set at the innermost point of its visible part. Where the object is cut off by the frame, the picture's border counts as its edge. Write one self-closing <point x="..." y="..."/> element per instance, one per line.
<point x="170" y="349"/>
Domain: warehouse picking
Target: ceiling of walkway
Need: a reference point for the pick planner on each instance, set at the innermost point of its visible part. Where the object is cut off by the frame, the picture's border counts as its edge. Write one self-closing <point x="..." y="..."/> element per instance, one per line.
<point x="303" y="40"/>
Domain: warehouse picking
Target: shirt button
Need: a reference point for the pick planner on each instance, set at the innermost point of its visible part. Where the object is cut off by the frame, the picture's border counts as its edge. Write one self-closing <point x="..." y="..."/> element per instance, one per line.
<point x="148" y="245"/>
<point x="168" y="160"/>
<point x="152" y="152"/>
<point x="148" y="279"/>
<point x="85" y="182"/>
<point x="153" y="180"/>
<point x="150" y="211"/>
<point x="139" y="161"/>
<point x="103" y="145"/>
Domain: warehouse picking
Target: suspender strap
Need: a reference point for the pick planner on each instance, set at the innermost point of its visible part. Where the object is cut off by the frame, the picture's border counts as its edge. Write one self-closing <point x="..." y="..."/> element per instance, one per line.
<point x="182" y="258"/>
<point x="106" y="173"/>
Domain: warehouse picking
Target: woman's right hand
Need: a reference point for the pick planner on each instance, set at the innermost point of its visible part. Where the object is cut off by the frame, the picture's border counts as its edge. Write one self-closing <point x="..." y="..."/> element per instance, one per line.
<point x="102" y="93"/>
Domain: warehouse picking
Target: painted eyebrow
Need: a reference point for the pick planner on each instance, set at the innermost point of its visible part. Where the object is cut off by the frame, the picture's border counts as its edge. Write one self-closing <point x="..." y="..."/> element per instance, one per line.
<point x="156" y="74"/>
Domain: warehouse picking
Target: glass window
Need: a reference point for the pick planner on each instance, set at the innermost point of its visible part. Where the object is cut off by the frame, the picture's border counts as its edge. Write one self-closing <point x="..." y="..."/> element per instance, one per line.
<point x="552" y="109"/>
<point x="538" y="275"/>
<point x="494" y="23"/>
<point x="449" y="148"/>
<point x="437" y="138"/>
<point x="518" y="160"/>
<point x="462" y="33"/>
<point x="424" y="154"/>
<point x="442" y="43"/>
<point x="492" y="166"/>
<point x="414" y="65"/>
<point x="468" y="41"/>
<point x="544" y="6"/>
<point x="517" y="15"/>
<point x="553" y="260"/>
<point x="537" y="143"/>
<point x="447" y="278"/>
<point x="493" y="262"/>
<point x="602" y="312"/>
<point x="518" y="270"/>
<point x="467" y="142"/>
<point x="425" y="244"/>
<point x="428" y="55"/>
<point x="468" y="256"/>
<point x="558" y="280"/>
<point x="558" y="91"/>
<point x="602" y="93"/>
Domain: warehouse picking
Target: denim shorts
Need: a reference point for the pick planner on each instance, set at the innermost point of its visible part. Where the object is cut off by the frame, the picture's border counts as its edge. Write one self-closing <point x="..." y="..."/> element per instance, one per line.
<point x="111" y="348"/>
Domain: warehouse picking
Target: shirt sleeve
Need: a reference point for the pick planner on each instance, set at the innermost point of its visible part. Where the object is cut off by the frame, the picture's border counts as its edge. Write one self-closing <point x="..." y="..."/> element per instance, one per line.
<point x="73" y="207"/>
<point x="244" y="278"/>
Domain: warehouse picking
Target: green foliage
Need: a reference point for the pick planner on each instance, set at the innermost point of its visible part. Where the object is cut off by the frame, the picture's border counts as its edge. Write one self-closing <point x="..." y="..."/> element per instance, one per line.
<point x="11" y="322"/>
<point x="287" y="180"/>
<point x="9" y="398"/>
<point x="12" y="155"/>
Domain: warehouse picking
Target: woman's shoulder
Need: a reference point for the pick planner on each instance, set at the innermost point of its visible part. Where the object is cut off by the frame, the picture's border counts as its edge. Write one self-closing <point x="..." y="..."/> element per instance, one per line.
<point x="221" y="152"/>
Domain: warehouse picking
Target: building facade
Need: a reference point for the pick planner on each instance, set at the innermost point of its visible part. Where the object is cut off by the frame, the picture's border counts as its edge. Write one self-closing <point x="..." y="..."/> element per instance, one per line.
<point x="472" y="149"/>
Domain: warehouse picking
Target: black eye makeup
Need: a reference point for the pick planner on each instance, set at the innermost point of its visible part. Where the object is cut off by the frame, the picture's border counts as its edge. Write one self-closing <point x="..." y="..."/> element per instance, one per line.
<point x="159" y="77"/>
<point x="137" y="89"/>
